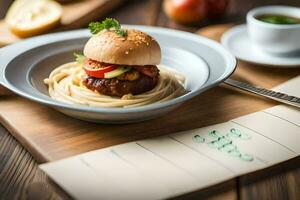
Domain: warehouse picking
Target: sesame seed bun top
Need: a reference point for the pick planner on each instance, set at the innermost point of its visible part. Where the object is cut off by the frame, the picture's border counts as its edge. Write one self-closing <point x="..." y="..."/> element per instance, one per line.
<point x="137" y="48"/>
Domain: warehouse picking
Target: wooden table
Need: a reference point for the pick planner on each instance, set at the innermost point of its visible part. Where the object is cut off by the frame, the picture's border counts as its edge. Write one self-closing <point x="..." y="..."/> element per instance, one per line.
<point x="21" y="179"/>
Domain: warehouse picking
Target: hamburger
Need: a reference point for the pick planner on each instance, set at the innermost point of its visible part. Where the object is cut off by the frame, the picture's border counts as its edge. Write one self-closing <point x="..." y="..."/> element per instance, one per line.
<point x="119" y="61"/>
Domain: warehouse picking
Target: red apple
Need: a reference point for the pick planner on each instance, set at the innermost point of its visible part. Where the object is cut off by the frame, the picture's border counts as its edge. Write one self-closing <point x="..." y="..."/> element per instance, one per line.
<point x="216" y="8"/>
<point x="185" y="11"/>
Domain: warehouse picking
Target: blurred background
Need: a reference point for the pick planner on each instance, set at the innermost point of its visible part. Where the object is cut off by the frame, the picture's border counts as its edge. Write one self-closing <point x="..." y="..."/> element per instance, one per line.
<point x="151" y="12"/>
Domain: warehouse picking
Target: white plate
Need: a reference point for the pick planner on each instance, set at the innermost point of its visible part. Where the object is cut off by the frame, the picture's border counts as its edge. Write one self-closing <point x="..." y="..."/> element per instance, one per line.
<point x="24" y="65"/>
<point x="236" y="40"/>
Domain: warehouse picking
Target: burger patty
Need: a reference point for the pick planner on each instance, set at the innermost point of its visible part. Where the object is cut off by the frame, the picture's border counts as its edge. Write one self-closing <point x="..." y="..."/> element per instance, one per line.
<point x="117" y="87"/>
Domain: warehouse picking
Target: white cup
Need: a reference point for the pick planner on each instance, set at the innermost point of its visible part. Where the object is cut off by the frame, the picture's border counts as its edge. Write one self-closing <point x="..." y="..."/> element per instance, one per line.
<point x="274" y="38"/>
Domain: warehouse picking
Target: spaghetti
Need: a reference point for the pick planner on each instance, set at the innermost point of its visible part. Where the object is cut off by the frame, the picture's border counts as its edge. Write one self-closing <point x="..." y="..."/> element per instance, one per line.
<point x="65" y="84"/>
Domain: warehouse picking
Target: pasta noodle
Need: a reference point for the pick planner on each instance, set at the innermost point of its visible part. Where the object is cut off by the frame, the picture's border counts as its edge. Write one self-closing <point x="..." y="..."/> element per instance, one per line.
<point x="65" y="84"/>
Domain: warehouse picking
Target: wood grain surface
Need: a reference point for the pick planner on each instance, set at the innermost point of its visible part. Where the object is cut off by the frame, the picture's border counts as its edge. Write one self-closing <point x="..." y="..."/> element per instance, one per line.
<point x="20" y="177"/>
<point x="53" y="136"/>
<point x="279" y="182"/>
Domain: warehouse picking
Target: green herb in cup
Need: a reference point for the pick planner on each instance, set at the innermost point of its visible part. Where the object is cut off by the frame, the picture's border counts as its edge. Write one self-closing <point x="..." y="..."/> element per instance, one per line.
<point x="278" y="19"/>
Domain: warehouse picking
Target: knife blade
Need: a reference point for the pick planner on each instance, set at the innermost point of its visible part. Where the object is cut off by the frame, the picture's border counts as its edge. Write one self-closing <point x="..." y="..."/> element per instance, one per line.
<point x="277" y="96"/>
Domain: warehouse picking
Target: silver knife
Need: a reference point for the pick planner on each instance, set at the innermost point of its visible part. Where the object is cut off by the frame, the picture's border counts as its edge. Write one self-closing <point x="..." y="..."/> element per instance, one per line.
<point x="277" y="96"/>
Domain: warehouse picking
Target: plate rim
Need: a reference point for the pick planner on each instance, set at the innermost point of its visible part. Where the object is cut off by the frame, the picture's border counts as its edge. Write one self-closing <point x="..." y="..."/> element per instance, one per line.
<point x="230" y="68"/>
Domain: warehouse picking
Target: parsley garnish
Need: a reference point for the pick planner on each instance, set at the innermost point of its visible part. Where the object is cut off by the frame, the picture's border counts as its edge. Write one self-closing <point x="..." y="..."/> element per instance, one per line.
<point x="108" y="24"/>
<point x="79" y="58"/>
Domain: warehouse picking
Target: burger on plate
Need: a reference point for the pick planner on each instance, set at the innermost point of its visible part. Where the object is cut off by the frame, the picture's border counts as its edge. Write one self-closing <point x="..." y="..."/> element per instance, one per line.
<point x="118" y="68"/>
<point x="119" y="61"/>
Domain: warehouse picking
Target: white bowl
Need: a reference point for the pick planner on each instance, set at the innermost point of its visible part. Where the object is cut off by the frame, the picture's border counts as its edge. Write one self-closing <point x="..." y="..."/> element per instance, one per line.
<point x="24" y="65"/>
<point x="274" y="38"/>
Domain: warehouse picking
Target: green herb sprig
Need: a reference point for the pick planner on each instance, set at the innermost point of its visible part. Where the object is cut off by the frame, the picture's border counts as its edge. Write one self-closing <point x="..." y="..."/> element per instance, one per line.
<point x="79" y="58"/>
<point x="107" y="24"/>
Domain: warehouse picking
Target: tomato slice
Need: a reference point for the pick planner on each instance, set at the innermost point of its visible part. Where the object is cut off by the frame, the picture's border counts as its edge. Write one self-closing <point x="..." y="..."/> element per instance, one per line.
<point x="99" y="72"/>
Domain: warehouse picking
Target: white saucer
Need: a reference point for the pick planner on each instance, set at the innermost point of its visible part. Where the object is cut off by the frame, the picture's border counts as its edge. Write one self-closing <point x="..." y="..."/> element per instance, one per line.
<point x="236" y="40"/>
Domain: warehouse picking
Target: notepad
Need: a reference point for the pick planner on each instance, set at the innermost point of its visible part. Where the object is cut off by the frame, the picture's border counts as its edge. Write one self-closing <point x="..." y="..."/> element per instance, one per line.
<point x="183" y="162"/>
